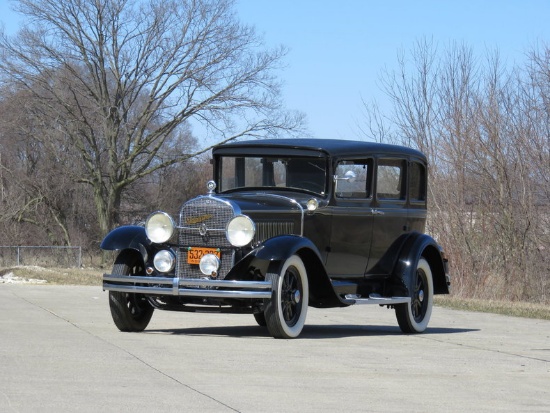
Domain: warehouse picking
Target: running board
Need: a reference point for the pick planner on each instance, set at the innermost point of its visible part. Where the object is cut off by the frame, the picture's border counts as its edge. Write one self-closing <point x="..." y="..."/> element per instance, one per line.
<point x="375" y="299"/>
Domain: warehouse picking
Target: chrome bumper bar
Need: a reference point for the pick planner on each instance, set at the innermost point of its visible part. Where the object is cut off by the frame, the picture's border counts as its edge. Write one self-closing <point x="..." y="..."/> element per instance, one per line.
<point x="187" y="287"/>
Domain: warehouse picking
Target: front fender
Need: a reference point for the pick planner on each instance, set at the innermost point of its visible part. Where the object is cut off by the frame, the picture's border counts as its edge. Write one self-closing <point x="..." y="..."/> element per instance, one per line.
<point x="269" y="258"/>
<point x="127" y="237"/>
<point x="421" y="245"/>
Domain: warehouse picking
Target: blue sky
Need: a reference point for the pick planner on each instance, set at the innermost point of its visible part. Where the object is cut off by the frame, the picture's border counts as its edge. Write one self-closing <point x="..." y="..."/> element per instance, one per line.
<point x="338" y="49"/>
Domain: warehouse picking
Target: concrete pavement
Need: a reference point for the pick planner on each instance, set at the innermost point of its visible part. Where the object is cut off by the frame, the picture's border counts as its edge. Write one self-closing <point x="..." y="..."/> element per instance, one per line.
<point x="60" y="352"/>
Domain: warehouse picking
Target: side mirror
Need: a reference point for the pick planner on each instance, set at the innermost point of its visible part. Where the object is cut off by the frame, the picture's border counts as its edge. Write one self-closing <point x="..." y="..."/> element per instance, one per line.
<point x="349" y="176"/>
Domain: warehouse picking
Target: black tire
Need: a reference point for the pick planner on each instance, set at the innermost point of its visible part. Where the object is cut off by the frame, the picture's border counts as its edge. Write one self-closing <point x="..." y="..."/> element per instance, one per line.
<point x="260" y="319"/>
<point x="414" y="317"/>
<point x="130" y="312"/>
<point x="286" y="311"/>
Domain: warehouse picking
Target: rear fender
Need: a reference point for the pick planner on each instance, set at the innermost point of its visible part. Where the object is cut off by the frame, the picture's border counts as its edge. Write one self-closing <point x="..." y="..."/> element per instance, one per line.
<point x="419" y="245"/>
<point x="270" y="257"/>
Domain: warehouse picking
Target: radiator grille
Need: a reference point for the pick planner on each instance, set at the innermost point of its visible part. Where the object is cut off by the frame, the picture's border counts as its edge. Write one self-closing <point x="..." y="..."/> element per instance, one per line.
<point x="202" y="224"/>
<point x="207" y="213"/>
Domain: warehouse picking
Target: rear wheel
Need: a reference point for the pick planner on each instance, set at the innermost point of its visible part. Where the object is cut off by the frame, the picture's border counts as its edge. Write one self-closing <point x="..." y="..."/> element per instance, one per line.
<point x="413" y="317"/>
<point x="131" y="312"/>
<point x="286" y="311"/>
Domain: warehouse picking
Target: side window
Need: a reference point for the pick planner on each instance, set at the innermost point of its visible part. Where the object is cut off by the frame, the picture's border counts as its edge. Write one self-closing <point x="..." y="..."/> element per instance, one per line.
<point x="390" y="182"/>
<point x="417" y="182"/>
<point x="358" y="187"/>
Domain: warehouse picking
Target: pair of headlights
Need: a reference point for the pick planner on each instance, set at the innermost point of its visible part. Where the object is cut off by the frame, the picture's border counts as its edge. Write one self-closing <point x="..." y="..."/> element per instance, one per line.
<point x="240" y="231"/>
<point x="160" y="227"/>
<point x="165" y="261"/>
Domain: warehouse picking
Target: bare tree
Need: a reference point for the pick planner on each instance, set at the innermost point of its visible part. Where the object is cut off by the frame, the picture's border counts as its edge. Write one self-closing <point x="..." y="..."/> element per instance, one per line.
<point x="35" y="186"/>
<point x="117" y="80"/>
<point x="413" y="97"/>
<point x="485" y="128"/>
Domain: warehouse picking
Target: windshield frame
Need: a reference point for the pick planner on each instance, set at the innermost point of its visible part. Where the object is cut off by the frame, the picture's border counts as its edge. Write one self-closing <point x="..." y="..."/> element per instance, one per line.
<point x="274" y="172"/>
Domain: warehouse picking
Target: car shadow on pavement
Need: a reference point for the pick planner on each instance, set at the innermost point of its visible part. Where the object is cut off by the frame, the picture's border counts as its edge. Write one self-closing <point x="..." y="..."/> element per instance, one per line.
<point x="309" y="331"/>
<point x="341" y="331"/>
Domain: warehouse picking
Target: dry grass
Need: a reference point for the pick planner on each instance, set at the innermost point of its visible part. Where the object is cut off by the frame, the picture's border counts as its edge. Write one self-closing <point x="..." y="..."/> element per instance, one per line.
<point x="515" y="309"/>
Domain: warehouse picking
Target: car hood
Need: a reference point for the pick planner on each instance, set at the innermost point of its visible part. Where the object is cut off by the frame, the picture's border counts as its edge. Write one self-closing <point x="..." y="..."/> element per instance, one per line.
<point x="261" y="201"/>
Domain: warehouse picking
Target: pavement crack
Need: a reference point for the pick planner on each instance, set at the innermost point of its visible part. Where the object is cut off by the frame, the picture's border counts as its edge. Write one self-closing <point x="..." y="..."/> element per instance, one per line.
<point x="171" y="377"/>
<point x="8" y="399"/>
<point x="508" y="353"/>
<point x="150" y="366"/>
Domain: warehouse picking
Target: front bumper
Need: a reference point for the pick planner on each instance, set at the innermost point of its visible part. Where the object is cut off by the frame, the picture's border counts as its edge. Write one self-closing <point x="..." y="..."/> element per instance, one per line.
<point x="187" y="287"/>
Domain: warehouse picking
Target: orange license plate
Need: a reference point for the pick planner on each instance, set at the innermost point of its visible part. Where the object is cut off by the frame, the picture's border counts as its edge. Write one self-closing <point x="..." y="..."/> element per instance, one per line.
<point x="194" y="254"/>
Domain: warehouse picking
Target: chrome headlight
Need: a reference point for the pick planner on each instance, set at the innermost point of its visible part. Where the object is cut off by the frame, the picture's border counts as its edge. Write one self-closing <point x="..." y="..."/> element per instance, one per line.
<point x="209" y="264"/>
<point x="164" y="261"/>
<point x="312" y="204"/>
<point x="159" y="227"/>
<point x="240" y="231"/>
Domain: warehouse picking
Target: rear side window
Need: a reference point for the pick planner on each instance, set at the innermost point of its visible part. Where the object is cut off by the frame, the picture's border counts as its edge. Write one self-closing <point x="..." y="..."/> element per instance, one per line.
<point x="390" y="182"/>
<point x="417" y="182"/>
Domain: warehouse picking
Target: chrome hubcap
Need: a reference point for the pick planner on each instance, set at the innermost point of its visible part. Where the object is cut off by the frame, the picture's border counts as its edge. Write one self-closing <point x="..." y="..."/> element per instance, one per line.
<point x="297" y="297"/>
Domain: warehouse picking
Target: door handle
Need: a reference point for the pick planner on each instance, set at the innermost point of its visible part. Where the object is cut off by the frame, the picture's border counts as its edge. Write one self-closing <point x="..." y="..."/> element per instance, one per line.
<point x="377" y="212"/>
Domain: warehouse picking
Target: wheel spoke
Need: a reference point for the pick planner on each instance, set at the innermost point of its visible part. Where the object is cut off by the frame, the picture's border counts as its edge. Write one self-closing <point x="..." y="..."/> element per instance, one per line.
<point x="416" y="309"/>
<point x="288" y="310"/>
<point x="419" y="282"/>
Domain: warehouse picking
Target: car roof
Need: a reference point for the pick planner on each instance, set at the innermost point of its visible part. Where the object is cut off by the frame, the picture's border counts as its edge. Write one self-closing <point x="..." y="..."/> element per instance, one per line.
<point x="332" y="147"/>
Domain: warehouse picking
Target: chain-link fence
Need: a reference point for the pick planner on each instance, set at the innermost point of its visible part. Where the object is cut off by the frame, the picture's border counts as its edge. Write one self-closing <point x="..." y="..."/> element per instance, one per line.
<point x="43" y="256"/>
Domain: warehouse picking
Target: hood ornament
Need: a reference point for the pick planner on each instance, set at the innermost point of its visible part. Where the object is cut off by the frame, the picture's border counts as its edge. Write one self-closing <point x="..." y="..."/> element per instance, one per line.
<point x="211" y="186"/>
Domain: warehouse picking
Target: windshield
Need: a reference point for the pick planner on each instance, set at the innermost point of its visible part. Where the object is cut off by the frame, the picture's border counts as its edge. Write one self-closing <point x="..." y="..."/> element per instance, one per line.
<point x="305" y="173"/>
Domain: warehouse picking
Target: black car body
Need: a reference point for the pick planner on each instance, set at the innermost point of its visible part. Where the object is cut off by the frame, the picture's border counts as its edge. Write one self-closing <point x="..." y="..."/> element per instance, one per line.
<point x="287" y="224"/>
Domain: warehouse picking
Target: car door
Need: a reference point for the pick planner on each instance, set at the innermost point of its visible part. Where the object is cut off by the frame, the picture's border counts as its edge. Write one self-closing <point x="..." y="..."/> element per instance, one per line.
<point x="390" y="213"/>
<point x="351" y="224"/>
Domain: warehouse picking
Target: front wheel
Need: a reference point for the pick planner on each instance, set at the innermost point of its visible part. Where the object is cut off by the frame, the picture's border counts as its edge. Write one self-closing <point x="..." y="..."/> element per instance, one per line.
<point x="131" y="312"/>
<point x="285" y="312"/>
<point x="260" y="319"/>
<point x="413" y="317"/>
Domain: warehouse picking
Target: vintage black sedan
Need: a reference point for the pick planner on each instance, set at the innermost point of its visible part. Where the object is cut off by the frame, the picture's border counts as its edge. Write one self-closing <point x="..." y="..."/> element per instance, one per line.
<point x="287" y="224"/>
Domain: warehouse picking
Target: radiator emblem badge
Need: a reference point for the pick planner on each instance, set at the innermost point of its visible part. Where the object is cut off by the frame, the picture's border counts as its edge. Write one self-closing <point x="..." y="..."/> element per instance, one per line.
<point x="198" y="220"/>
